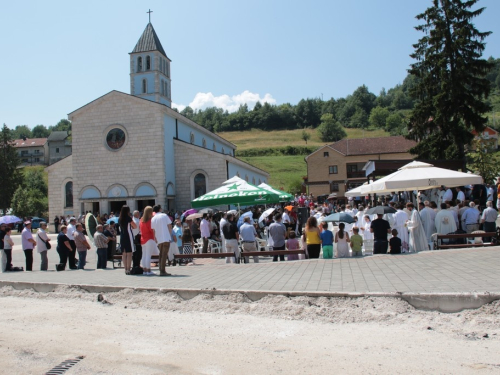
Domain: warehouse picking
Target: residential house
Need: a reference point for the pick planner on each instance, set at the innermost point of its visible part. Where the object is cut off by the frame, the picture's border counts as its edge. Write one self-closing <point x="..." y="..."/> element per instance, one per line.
<point x="489" y="136"/>
<point x="59" y="146"/>
<point x="338" y="167"/>
<point x="32" y="151"/>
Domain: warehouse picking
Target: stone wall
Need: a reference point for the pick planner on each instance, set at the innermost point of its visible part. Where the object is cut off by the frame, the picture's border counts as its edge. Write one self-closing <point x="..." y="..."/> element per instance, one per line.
<point x="58" y="174"/>
<point x="141" y="159"/>
<point x="189" y="160"/>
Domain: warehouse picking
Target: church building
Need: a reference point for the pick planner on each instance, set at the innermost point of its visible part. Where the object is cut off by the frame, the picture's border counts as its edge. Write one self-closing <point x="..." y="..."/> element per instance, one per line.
<point x="136" y="150"/>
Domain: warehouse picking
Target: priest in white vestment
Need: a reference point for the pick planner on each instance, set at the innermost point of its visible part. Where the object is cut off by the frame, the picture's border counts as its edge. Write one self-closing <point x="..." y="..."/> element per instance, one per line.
<point x="445" y="221"/>
<point x="400" y="218"/>
<point x="418" y="240"/>
<point x="428" y="217"/>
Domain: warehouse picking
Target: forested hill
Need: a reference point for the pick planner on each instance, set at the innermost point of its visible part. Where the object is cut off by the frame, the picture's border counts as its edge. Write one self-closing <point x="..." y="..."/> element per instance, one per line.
<point x="362" y="109"/>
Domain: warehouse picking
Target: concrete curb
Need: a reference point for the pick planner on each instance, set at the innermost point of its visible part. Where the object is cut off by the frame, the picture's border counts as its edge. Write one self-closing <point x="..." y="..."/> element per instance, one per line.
<point x="443" y="302"/>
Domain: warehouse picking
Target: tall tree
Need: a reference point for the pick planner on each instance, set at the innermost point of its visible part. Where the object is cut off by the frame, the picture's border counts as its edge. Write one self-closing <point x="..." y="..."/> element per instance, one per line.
<point x="40" y="131"/>
<point x="9" y="174"/>
<point x="451" y="83"/>
<point x="330" y="129"/>
<point x="62" y="125"/>
<point x="21" y="131"/>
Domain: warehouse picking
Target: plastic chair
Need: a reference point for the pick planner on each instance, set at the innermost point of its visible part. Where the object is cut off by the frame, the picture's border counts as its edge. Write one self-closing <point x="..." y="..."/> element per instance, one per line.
<point x="368" y="245"/>
<point x="215" y="246"/>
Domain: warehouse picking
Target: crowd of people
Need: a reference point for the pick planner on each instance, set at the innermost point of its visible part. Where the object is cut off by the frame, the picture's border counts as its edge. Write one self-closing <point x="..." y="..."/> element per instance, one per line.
<point x="417" y="217"/>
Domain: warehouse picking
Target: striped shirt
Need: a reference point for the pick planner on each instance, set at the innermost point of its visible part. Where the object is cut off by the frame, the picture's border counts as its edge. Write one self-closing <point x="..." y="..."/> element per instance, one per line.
<point x="100" y="240"/>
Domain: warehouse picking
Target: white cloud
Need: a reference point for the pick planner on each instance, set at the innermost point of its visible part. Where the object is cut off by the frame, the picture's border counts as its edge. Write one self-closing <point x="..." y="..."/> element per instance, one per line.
<point x="203" y="100"/>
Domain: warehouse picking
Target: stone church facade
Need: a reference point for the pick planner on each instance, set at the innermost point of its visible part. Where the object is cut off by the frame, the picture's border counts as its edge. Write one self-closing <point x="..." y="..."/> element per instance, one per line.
<point x="136" y="150"/>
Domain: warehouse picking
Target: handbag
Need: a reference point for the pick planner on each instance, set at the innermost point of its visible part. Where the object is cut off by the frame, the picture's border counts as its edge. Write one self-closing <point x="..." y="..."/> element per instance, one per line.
<point x="47" y="243"/>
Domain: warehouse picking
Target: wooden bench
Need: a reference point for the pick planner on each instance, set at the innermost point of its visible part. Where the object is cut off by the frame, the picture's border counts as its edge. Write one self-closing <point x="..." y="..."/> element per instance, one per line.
<point x="117" y="258"/>
<point x="441" y="245"/>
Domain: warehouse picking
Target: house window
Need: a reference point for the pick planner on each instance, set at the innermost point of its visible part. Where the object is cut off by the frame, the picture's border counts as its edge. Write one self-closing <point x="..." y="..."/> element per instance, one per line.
<point x="334" y="187"/>
<point x="162" y="88"/>
<point x="139" y="64"/>
<point x="204" y="143"/>
<point x="37" y="160"/>
<point x="168" y="69"/>
<point x="144" y="86"/>
<point x="37" y="151"/>
<point x="246" y="178"/>
<point x="332" y="169"/>
<point x="253" y="180"/>
<point x="224" y="152"/>
<point x="215" y="147"/>
<point x="326" y="154"/>
<point x="68" y="190"/>
<point x="148" y="63"/>
<point x="23" y="153"/>
<point x="57" y="150"/>
<point x="191" y="138"/>
<point x="200" y="185"/>
<point x="352" y="168"/>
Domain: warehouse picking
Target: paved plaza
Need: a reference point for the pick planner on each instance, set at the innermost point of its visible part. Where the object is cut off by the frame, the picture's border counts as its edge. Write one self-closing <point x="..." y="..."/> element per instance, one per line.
<point x="445" y="271"/>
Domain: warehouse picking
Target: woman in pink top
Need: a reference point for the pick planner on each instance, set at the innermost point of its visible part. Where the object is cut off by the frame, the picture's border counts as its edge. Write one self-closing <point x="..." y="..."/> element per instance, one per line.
<point x="292" y="244"/>
<point x="148" y="241"/>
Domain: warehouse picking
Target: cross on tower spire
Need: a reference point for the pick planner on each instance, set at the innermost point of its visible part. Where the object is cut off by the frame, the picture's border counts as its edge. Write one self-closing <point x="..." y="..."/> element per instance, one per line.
<point x="149" y="12"/>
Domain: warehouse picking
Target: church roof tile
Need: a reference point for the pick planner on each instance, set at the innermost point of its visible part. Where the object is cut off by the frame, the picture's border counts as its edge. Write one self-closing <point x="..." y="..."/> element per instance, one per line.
<point x="149" y="41"/>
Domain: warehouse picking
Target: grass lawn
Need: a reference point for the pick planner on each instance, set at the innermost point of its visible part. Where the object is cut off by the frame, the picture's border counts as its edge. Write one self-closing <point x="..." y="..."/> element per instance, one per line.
<point x="283" y="170"/>
<point x="263" y="139"/>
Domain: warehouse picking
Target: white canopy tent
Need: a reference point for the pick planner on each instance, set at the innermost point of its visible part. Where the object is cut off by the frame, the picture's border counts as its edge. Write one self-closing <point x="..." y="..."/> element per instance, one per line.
<point x="420" y="176"/>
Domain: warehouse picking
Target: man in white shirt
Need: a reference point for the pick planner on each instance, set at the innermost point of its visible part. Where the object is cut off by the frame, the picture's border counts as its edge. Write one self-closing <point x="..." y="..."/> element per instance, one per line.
<point x="470" y="218"/>
<point x="286" y="219"/>
<point x="248" y="234"/>
<point x="70" y="235"/>
<point x="223" y="222"/>
<point x="489" y="218"/>
<point x="448" y="195"/>
<point x="162" y="225"/>
<point x="205" y="232"/>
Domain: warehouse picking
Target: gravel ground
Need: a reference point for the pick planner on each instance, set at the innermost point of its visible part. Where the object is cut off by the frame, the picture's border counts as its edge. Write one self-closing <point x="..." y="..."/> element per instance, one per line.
<point x="132" y="332"/>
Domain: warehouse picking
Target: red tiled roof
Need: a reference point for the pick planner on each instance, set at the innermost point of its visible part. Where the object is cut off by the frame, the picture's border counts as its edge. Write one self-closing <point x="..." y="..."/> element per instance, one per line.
<point x="30" y="142"/>
<point x="368" y="146"/>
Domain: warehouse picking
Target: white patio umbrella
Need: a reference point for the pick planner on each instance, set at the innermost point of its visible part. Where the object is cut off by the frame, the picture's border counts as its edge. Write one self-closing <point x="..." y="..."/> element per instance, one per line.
<point x="266" y="213"/>
<point x="356" y="192"/>
<point x="233" y="180"/>
<point x="420" y="176"/>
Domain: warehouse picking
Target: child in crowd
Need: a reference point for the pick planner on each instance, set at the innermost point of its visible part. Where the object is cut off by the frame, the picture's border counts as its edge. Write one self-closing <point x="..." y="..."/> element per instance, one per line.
<point x="395" y="243"/>
<point x="326" y="241"/>
<point x="292" y="244"/>
<point x="356" y="243"/>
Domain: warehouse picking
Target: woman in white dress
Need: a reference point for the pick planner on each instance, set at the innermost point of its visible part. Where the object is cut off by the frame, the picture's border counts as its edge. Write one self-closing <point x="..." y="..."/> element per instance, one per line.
<point x="367" y="235"/>
<point x="342" y="239"/>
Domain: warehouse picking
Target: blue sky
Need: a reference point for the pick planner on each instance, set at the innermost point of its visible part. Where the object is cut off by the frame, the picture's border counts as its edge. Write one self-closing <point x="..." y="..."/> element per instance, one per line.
<point x="60" y="55"/>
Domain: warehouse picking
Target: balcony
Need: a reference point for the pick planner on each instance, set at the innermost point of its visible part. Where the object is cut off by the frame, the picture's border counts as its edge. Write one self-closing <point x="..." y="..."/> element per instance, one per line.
<point x="24" y="154"/>
<point x="359" y="174"/>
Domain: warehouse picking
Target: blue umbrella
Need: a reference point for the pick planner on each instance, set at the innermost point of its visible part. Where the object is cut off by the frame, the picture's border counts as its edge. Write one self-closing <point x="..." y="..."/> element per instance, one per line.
<point x="339" y="217"/>
<point x="9" y="219"/>
<point x="113" y="219"/>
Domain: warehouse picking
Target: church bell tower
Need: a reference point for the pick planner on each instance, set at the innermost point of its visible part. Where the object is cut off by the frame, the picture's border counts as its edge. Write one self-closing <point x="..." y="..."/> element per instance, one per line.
<point x="150" y="69"/>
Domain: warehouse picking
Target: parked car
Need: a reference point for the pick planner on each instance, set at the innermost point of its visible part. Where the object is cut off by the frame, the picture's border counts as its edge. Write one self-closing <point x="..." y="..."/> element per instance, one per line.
<point x="35" y="222"/>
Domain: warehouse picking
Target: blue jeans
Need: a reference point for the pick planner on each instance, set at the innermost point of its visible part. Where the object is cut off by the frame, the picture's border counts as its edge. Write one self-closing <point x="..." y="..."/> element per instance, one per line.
<point x="82" y="257"/>
<point x="102" y="258"/>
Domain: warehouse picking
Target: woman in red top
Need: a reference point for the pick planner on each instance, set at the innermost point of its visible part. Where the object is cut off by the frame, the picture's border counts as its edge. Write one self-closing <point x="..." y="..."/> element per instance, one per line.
<point x="148" y="241"/>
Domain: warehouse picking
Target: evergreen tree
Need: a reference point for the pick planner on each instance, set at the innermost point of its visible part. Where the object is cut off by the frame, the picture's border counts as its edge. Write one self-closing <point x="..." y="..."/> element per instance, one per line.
<point x="9" y="174"/>
<point x="450" y="80"/>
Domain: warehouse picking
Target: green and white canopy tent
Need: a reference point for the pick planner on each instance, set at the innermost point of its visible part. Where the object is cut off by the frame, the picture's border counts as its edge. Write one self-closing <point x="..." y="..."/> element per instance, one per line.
<point x="236" y="192"/>
<point x="284" y="197"/>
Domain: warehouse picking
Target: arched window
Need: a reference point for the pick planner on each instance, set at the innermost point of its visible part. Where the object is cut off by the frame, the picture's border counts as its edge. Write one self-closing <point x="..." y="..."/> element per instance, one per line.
<point x="144" y="86"/>
<point x="162" y="88"/>
<point x="191" y="138"/>
<point x="204" y="143"/>
<point x="215" y="147"/>
<point x="260" y="182"/>
<point x="139" y="64"/>
<point x="200" y="185"/>
<point x="223" y="150"/>
<point x="168" y="69"/>
<point x="246" y="178"/>
<point x="166" y="88"/>
<point x="148" y="63"/>
<point x="253" y="180"/>
<point x="238" y="174"/>
<point x="161" y="64"/>
<point x="68" y="192"/>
